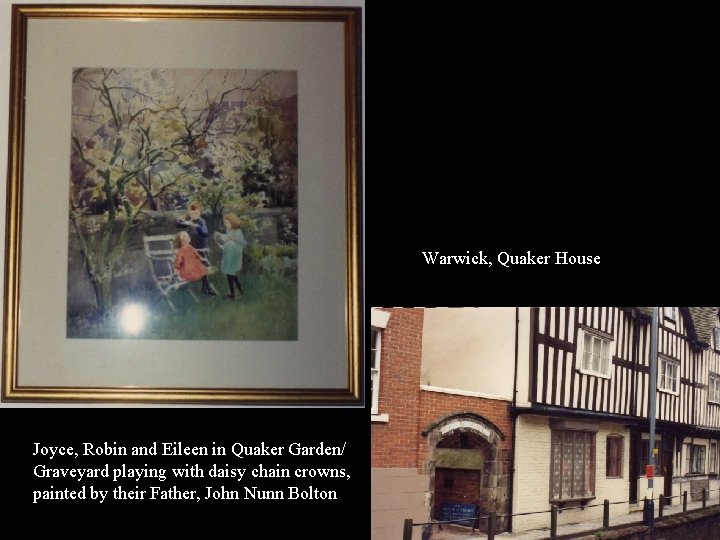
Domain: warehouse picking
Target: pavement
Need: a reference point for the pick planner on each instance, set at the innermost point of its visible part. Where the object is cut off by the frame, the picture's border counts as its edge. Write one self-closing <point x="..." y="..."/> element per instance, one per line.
<point x="452" y="532"/>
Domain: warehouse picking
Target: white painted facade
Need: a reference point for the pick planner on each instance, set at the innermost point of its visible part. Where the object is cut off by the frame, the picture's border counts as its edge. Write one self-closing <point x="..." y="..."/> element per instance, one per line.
<point x="594" y="364"/>
<point x="532" y="475"/>
<point x="685" y="480"/>
<point x="473" y="349"/>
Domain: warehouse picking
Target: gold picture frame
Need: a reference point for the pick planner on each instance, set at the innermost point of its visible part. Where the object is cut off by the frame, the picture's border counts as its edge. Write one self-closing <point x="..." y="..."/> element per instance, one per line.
<point x="328" y="347"/>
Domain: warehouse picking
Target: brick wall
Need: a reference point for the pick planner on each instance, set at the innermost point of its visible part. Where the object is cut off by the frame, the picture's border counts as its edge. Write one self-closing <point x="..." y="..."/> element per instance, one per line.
<point x="394" y="444"/>
<point x="494" y="493"/>
<point x="398" y="489"/>
<point x="698" y="525"/>
<point x="434" y="405"/>
<point x="402" y="479"/>
<point x="693" y="526"/>
<point x="399" y="443"/>
<point x="455" y="486"/>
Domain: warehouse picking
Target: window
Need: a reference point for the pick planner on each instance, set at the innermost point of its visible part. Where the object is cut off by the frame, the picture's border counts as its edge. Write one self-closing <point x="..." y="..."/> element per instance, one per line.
<point x="573" y="465"/>
<point x="695" y="459"/>
<point x="645" y="460"/>
<point x="712" y="459"/>
<point x="379" y="321"/>
<point x="714" y="388"/>
<point x="670" y="312"/>
<point x="596" y="354"/>
<point x="375" y="348"/>
<point x="716" y="335"/>
<point x="668" y="371"/>
<point x="613" y="456"/>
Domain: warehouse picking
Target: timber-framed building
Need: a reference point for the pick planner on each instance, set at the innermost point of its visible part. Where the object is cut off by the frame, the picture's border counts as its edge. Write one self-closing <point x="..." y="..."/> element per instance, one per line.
<point x="515" y="409"/>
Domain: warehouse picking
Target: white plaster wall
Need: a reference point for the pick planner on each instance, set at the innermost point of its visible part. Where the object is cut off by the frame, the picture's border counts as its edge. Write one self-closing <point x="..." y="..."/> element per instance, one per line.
<point x="523" y="369"/>
<point x="531" y="478"/>
<point x="470" y="349"/>
<point x="714" y="497"/>
<point x="612" y="489"/>
<point x="682" y="482"/>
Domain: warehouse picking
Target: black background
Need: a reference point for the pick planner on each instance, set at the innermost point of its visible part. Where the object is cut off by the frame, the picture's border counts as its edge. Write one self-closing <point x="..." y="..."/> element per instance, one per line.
<point x="193" y="427"/>
<point x="544" y="131"/>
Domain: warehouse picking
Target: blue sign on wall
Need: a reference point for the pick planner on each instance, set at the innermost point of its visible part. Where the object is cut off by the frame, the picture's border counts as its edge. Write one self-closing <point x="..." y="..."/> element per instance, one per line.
<point x="452" y="511"/>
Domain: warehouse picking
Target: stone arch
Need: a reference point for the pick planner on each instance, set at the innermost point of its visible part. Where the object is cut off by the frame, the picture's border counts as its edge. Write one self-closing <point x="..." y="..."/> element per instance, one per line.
<point x="482" y="440"/>
<point x="465" y="421"/>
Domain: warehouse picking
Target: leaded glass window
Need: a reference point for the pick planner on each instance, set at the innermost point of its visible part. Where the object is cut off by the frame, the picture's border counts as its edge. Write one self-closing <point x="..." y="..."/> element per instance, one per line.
<point x="573" y="465"/>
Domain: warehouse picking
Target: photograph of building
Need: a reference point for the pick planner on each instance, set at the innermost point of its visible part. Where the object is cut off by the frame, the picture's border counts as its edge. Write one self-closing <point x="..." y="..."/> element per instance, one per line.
<point x="514" y="409"/>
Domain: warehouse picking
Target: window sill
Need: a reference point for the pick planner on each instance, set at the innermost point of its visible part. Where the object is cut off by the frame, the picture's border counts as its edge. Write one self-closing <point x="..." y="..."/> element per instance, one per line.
<point x="561" y="503"/>
<point x="379" y="418"/>
<point x="664" y="391"/>
<point x="594" y="373"/>
<point x="614" y="477"/>
<point x="713" y="402"/>
<point x="695" y="474"/>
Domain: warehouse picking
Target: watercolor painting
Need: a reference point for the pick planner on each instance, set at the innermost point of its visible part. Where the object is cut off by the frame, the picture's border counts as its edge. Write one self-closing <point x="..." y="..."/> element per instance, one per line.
<point x="183" y="204"/>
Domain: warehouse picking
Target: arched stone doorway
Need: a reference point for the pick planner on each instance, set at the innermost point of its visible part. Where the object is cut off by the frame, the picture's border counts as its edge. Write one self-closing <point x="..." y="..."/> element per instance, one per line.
<point x="467" y="466"/>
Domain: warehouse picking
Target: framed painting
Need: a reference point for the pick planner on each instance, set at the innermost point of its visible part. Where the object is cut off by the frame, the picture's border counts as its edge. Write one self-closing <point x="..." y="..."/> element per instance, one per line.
<point x="183" y="205"/>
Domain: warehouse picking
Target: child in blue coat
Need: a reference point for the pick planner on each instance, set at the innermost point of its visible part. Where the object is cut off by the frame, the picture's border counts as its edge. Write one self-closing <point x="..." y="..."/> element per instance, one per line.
<point x="232" y="244"/>
<point x="197" y="229"/>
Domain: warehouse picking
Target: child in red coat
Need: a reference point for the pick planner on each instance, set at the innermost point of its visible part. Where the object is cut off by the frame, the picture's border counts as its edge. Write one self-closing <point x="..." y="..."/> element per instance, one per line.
<point x="189" y="264"/>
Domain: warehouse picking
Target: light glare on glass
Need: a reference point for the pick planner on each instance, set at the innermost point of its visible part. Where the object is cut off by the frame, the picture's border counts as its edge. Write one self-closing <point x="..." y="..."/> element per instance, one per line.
<point x="132" y="318"/>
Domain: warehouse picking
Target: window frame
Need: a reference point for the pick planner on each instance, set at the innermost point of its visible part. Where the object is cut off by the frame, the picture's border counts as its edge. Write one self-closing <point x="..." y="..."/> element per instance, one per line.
<point x="645" y="458"/>
<point x="712" y="458"/>
<point x="692" y="461"/>
<point x="714" y="388"/>
<point x="589" y="460"/>
<point x="616" y="439"/>
<point x="671" y="315"/>
<point x="662" y="362"/>
<point x="716" y="338"/>
<point x="376" y="356"/>
<point x="378" y="322"/>
<point x="595" y="337"/>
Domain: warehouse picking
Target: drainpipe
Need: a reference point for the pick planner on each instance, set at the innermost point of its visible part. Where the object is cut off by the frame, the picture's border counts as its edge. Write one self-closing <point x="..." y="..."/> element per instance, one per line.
<point x="513" y="416"/>
<point x="650" y="509"/>
<point x="517" y="337"/>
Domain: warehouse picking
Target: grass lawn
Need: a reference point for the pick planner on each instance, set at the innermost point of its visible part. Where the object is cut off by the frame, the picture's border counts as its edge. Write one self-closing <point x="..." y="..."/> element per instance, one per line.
<point x="266" y="311"/>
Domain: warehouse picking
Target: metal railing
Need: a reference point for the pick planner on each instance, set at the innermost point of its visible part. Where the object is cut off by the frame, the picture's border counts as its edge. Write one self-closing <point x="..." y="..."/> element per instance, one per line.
<point x="492" y="517"/>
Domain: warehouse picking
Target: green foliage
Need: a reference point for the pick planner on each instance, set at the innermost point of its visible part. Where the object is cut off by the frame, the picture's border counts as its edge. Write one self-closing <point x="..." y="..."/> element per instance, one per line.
<point x="276" y="260"/>
<point x="259" y="251"/>
<point x="243" y="207"/>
